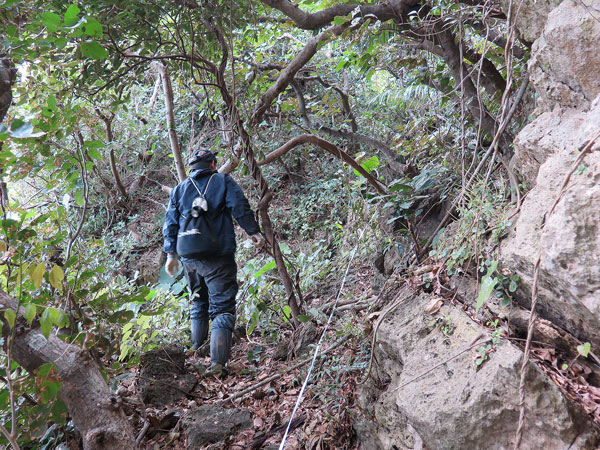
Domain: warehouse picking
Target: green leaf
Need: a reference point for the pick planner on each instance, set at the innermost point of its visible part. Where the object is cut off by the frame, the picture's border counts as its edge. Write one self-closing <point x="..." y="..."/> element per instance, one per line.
<point x="56" y="277"/>
<point x="253" y="322"/>
<point x="23" y="130"/>
<point x="30" y="311"/>
<point x="93" y="49"/>
<point x="60" y="43"/>
<point x="340" y="20"/>
<point x="79" y="198"/>
<point x="37" y="273"/>
<point x="584" y="349"/>
<point x="46" y="323"/>
<point x="50" y="390"/>
<point x="53" y="314"/>
<point x="512" y="287"/>
<point x="94" y="144"/>
<point x="369" y="165"/>
<point x="63" y="320"/>
<point x="487" y="286"/>
<point x="287" y="312"/>
<point x="10" y="317"/>
<point x="94" y="153"/>
<point x="268" y="266"/>
<point x="52" y="102"/>
<point x="91" y="27"/>
<point x="303" y="318"/>
<point x="71" y="15"/>
<point x="51" y="21"/>
<point x="45" y="370"/>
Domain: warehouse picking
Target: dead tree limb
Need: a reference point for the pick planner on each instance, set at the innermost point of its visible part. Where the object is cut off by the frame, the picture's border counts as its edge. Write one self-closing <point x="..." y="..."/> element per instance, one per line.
<point x="391" y="10"/>
<point x="352" y="136"/>
<point x="95" y="410"/>
<point x="388" y="153"/>
<point x="168" y="91"/>
<point x="329" y="147"/>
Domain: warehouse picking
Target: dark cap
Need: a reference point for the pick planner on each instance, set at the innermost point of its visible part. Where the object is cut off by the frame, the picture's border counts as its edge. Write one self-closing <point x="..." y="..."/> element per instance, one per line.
<point x="201" y="158"/>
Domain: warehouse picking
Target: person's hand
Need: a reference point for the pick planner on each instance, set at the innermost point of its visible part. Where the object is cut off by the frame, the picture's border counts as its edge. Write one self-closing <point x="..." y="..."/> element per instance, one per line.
<point x="258" y="240"/>
<point x="172" y="265"/>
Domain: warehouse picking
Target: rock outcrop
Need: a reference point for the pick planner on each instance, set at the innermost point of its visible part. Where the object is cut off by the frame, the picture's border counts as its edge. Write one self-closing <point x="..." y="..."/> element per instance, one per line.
<point x="452" y="405"/>
<point x="209" y="424"/>
<point x="565" y="59"/>
<point x="565" y="64"/>
<point x="530" y="16"/>
<point x="455" y="406"/>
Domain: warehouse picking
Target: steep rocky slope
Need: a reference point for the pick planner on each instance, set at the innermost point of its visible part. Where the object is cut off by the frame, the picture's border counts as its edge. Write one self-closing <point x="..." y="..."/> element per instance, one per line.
<point x="564" y="67"/>
<point x="454" y="406"/>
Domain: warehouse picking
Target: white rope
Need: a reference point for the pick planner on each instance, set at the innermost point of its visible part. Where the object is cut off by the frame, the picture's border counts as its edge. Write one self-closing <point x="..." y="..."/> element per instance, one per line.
<point x="312" y="364"/>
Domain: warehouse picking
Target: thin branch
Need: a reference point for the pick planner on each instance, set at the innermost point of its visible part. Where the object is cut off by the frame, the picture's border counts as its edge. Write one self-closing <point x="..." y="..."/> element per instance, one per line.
<point x="329" y="147"/>
<point x="287" y="75"/>
<point x="168" y="92"/>
<point x="9" y="437"/>
<point x="86" y="191"/>
<point x="392" y="10"/>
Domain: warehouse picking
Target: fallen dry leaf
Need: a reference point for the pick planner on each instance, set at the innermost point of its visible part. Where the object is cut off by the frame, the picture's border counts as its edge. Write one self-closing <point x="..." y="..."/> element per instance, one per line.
<point x="434" y="305"/>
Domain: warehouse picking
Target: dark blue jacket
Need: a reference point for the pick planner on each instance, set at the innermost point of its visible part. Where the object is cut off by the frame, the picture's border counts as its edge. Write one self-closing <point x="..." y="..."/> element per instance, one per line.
<point x="225" y="199"/>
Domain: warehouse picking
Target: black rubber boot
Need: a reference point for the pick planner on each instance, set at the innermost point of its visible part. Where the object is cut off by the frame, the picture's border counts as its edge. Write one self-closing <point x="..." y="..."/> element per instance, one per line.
<point x="220" y="339"/>
<point x="199" y="332"/>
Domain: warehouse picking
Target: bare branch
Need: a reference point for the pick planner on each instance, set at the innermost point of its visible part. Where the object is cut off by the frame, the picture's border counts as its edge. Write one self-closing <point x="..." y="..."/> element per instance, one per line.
<point x="111" y="153"/>
<point x="390" y="155"/>
<point x="287" y="74"/>
<point x="392" y="10"/>
<point x="495" y="37"/>
<point x="329" y="147"/>
<point x="168" y="91"/>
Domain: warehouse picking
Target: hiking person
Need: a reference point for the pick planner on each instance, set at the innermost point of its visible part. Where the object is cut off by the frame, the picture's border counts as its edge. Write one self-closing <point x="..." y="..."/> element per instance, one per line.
<point x="198" y="228"/>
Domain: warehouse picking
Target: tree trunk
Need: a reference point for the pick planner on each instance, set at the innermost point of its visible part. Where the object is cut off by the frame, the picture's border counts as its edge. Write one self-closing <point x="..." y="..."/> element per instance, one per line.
<point x="8" y="75"/>
<point x="168" y="91"/>
<point x="111" y="153"/>
<point x="477" y="109"/>
<point x="95" y="410"/>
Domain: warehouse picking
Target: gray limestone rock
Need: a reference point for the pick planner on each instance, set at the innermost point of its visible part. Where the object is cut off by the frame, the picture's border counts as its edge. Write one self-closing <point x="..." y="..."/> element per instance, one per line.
<point x="569" y="279"/>
<point x="455" y="406"/>
<point x="210" y="424"/>
<point x="565" y="60"/>
<point x="564" y="69"/>
<point x="530" y="16"/>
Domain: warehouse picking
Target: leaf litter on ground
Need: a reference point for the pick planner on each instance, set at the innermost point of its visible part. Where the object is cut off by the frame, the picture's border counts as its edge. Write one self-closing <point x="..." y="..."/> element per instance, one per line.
<point x="325" y="402"/>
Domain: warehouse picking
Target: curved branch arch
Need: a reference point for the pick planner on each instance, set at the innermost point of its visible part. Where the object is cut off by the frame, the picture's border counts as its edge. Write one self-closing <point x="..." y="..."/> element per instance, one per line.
<point x="328" y="147"/>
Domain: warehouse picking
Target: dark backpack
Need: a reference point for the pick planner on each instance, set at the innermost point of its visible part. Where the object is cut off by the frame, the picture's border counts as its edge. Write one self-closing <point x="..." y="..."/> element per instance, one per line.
<point x="197" y="237"/>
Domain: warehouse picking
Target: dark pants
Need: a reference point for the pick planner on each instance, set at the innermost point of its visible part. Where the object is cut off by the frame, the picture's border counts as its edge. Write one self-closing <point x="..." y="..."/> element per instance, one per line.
<point x="212" y="283"/>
